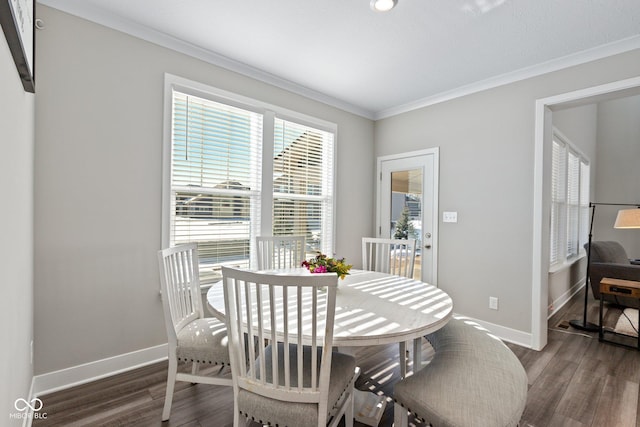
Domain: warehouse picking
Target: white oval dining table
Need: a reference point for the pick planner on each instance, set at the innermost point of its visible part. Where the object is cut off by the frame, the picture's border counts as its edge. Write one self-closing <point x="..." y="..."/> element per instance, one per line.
<point x="373" y="309"/>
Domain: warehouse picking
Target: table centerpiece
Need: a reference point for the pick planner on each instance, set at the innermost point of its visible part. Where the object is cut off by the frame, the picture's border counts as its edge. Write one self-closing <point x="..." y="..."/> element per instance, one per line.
<point x="323" y="264"/>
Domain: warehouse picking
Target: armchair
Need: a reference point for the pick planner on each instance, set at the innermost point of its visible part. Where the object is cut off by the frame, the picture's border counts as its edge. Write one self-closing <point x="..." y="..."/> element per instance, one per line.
<point x="609" y="259"/>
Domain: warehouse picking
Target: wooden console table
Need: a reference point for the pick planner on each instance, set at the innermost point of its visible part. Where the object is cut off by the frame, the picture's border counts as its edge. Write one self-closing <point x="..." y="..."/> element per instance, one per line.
<point x="623" y="288"/>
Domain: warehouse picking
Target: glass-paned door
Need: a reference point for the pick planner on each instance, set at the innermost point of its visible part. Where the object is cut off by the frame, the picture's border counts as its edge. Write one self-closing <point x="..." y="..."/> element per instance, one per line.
<point x="406" y="210"/>
<point x="408" y="206"/>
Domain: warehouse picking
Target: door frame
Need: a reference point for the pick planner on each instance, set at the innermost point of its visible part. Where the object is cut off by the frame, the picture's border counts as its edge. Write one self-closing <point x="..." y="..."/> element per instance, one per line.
<point x="435" y="153"/>
<point x="544" y="108"/>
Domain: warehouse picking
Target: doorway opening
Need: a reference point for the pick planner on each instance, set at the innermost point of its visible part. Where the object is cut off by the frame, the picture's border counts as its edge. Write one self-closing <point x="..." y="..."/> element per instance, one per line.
<point x="542" y="189"/>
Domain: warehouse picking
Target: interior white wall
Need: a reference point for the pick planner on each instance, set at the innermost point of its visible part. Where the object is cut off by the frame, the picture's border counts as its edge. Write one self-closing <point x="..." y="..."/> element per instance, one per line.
<point x="617" y="171"/>
<point x="486" y="145"/>
<point x="98" y="185"/>
<point x="16" y="229"/>
<point x="580" y="126"/>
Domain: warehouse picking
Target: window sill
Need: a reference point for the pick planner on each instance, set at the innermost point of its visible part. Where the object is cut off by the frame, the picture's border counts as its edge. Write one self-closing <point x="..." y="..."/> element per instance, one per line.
<point x="561" y="266"/>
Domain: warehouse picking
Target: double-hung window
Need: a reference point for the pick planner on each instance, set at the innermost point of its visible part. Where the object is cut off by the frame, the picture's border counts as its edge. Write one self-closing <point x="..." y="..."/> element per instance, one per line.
<point x="236" y="168"/>
<point x="569" y="200"/>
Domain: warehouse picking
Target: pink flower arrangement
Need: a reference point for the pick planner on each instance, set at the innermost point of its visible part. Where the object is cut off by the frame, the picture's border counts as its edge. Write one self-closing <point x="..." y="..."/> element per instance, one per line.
<point x="322" y="264"/>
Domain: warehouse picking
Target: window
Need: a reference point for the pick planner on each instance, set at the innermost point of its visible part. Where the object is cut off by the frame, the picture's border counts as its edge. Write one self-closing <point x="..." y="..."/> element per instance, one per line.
<point x="235" y="169"/>
<point x="302" y="181"/>
<point x="569" y="200"/>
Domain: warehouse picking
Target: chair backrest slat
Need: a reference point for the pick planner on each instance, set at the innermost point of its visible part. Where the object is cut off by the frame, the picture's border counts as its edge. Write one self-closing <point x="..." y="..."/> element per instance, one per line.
<point x="180" y="284"/>
<point x="273" y="335"/>
<point x="277" y="252"/>
<point x="314" y="337"/>
<point x="292" y="310"/>
<point x="393" y="256"/>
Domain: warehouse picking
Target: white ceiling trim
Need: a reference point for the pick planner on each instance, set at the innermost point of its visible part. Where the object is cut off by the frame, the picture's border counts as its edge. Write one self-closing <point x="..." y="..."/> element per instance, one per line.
<point x="585" y="56"/>
<point x="156" y="37"/>
<point x="161" y="39"/>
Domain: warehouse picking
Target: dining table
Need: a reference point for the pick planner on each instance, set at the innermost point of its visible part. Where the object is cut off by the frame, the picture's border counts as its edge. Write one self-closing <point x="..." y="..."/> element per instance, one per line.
<point x="373" y="308"/>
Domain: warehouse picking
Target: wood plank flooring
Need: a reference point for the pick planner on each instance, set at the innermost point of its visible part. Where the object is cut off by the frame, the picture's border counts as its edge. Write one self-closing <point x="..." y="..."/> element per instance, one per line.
<point x="576" y="381"/>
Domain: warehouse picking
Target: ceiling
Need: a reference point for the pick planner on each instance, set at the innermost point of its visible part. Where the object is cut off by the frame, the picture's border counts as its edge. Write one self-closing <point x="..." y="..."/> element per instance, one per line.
<point x="378" y="64"/>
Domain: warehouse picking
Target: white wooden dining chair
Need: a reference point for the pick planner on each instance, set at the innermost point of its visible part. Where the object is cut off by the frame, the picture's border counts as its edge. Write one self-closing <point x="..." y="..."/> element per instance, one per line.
<point x="280" y="251"/>
<point x="296" y="382"/>
<point x="393" y="256"/>
<point x="192" y="337"/>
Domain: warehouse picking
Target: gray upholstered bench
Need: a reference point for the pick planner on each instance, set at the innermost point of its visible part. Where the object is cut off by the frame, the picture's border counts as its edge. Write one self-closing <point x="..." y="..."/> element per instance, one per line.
<point x="474" y="379"/>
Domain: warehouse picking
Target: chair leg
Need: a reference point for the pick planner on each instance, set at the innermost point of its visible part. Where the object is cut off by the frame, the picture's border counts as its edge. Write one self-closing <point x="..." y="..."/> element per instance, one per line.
<point x="195" y="367"/>
<point x="400" y="416"/>
<point x="171" y="382"/>
<point x="236" y="416"/>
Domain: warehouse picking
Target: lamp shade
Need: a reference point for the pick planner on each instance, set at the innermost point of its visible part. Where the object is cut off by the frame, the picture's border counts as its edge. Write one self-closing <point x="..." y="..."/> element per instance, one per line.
<point x="628" y="218"/>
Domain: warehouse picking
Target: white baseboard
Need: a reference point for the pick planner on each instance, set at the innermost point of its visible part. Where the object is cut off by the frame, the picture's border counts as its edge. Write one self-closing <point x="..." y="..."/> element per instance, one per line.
<point x="92" y="371"/>
<point x="81" y="374"/>
<point x="523" y="339"/>
<point x="28" y="419"/>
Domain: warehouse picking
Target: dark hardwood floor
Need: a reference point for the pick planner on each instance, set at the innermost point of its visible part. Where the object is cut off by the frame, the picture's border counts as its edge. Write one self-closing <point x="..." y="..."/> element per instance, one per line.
<point x="575" y="381"/>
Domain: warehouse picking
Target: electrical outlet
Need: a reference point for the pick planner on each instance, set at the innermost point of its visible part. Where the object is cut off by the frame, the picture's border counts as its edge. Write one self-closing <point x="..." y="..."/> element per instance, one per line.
<point x="493" y="303"/>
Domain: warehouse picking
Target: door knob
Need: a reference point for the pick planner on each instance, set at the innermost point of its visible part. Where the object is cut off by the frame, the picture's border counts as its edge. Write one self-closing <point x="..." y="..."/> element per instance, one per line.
<point x="427" y="246"/>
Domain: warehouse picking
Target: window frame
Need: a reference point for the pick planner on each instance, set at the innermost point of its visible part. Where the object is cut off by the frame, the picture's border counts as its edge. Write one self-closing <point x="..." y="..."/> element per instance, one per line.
<point x="270" y="113"/>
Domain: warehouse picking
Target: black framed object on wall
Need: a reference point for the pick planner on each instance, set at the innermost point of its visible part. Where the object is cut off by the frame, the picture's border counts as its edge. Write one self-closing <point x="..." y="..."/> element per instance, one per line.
<point x="17" y="18"/>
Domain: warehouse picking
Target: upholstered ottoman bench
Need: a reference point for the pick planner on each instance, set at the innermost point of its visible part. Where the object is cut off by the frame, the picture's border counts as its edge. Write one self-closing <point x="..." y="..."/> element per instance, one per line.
<point x="474" y="379"/>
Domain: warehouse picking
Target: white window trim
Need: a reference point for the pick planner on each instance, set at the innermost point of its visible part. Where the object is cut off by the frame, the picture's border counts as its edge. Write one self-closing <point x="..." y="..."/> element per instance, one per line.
<point x="190" y="87"/>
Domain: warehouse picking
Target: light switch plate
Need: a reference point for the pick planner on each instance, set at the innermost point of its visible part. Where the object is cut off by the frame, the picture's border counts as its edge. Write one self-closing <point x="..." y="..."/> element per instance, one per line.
<point x="449" y="216"/>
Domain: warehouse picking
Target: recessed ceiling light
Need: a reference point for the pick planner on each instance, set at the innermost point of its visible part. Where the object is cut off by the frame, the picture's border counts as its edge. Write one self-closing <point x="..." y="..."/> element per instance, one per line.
<point x="383" y="5"/>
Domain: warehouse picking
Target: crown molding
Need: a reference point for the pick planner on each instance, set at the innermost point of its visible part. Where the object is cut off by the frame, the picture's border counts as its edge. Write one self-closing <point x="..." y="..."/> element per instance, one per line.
<point x="82" y="10"/>
<point x="578" y="58"/>
<point x="90" y="13"/>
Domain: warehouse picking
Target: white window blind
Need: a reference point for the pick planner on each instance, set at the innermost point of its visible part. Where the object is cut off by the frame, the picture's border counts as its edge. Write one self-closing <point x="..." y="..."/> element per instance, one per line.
<point x="558" y="188"/>
<point x="302" y="182"/>
<point x="573" y="204"/>
<point x="214" y="180"/>
<point x="569" y="201"/>
<point x="219" y="150"/>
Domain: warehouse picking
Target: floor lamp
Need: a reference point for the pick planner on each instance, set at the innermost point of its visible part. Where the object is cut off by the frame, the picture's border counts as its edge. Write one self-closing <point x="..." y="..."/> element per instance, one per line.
<point x="627" y="218"/>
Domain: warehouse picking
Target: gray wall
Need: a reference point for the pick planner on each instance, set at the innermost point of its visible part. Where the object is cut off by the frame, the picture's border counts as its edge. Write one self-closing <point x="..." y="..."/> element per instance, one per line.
<point x="16" y="229"/>
<point x="617" y="169"/>
<point x="580" y="126"/>
<point x="98" y="172"/>
<point x="486" y="145"/>
<point x="98" y="185"/>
